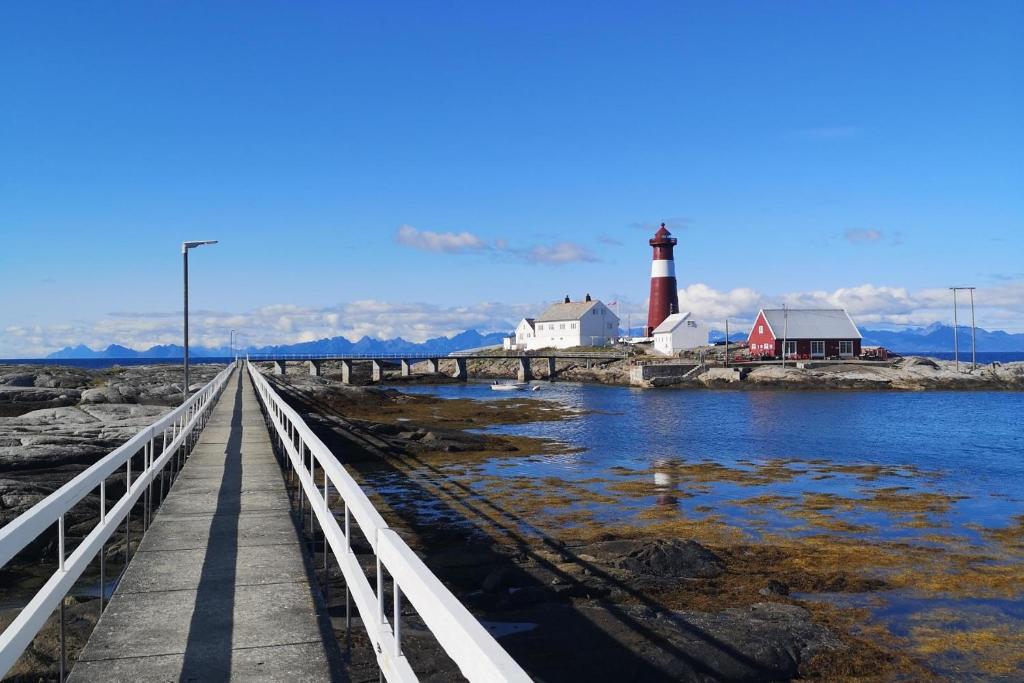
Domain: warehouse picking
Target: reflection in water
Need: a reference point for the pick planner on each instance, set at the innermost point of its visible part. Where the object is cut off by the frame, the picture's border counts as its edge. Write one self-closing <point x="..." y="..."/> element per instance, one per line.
<point x="666" y="484"/>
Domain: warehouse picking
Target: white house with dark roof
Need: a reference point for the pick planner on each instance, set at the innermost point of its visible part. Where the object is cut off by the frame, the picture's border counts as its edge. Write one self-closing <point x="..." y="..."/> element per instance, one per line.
<point x="571" y="323"/>
<point x="679" y="332"/>
<point x="806" y="333"/>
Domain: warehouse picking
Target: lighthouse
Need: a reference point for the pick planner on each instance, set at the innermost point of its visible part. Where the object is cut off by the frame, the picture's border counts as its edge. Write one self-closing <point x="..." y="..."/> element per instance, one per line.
<point x="664" y="293"/>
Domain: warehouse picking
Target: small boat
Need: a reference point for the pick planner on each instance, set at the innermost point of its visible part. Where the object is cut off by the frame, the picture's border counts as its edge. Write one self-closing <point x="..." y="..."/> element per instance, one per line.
<point x="509" y="386"/>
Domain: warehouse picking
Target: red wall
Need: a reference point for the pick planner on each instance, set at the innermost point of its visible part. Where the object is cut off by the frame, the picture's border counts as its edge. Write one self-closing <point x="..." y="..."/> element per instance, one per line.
<point x="761" y="344"/>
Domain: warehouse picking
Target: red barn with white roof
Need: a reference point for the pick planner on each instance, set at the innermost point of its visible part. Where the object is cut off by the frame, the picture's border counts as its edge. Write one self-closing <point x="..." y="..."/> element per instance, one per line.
<point x="807" y="333"/>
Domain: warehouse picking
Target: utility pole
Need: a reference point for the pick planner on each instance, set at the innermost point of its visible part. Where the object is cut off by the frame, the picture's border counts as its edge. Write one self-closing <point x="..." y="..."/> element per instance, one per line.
<point x="974" y="354"/>
<point x="785" y="333"/>
<point x="726" y="342"/>
<point x="956" y="350"/>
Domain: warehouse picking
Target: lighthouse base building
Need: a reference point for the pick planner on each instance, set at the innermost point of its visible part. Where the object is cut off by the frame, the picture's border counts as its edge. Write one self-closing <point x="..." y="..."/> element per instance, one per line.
<point x="679" y="332"/>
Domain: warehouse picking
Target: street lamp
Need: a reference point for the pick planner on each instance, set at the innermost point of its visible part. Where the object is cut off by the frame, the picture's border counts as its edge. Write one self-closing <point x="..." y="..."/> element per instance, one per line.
<point x="185" y="246"/>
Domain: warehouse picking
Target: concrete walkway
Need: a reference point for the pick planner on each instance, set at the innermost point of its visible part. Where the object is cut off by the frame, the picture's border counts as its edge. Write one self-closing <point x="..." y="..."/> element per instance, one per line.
<point x="219" y="587"/>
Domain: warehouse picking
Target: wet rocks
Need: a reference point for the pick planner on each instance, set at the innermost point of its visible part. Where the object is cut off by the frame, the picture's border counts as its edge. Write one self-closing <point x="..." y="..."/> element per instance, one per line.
<point x="656" y="558"/>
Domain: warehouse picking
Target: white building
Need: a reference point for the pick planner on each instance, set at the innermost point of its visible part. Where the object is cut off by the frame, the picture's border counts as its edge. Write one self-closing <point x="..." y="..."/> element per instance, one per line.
<point x="679" y="332"/>
<point x="568" y="324"/>
<point x="522" y="337"/>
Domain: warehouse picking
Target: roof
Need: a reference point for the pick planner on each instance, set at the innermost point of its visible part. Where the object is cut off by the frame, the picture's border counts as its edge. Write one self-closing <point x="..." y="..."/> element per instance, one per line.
<point x="571" y="311"/>
<point x="528" y="321"/>
<point x="671" y="323"/>
<point x="811" y="323"/>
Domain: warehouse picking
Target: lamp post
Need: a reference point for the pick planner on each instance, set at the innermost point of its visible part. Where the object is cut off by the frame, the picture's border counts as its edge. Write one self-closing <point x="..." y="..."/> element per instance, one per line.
<point x="185" y="246"/>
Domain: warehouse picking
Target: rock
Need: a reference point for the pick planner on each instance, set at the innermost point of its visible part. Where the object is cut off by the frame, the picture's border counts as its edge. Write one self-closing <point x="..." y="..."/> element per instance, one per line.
<point x="115" y="393"/>
<point x="497" y="580"/>
<point x="658" y="558"/>
<point x="774" y="588"/>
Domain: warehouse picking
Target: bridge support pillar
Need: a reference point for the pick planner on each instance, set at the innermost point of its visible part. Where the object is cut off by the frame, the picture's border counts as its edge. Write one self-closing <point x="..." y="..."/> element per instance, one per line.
<point x="460" y="369"/>
<point x="551" y="368"/>
<point x="433" y="365"/>
<point x="376" y="371"/>
<point x="279" y="368"/>
<point x="314" y="368"/>
<point x="524" y="374"/>
<point x="346" y="372"/>
<point x="406" y="368"/>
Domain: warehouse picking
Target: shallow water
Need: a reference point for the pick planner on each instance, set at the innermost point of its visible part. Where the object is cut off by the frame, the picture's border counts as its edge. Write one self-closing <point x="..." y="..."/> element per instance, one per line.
<point x="761" y="462"/>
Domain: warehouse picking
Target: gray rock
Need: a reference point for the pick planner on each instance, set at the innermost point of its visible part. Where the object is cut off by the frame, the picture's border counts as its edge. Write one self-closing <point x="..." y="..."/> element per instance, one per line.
<point x="658" y="558"/>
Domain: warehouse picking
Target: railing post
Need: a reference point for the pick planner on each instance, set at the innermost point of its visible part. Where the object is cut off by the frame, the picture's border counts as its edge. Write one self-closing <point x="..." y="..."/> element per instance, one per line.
<point x="103" y="546"/>
<point x="380" y="592"/>
<point x="398" y="619"/>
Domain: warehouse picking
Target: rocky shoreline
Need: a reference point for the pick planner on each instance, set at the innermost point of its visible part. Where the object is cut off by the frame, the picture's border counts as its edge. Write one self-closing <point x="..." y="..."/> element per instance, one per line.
<point x="629" y="604"/>
<point x="671" y="601"/>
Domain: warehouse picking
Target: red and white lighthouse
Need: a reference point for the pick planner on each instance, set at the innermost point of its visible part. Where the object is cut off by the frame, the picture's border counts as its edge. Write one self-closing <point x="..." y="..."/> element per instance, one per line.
<point x="664" y="292"/>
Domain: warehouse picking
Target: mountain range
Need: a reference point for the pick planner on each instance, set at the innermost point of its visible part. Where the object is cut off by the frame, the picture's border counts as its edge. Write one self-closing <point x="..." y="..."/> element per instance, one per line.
<point x="470" y="339"/>
<point x="934" y="338"/>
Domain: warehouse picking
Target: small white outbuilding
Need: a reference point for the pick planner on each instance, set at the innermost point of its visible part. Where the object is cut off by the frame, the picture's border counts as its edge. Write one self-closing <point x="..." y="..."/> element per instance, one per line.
<point x="679" y="332"/>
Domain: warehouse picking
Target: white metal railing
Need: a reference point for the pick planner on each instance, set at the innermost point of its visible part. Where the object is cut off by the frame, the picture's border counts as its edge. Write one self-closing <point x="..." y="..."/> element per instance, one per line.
<point x="477" y="654"/>
<point x="172" y="431"/>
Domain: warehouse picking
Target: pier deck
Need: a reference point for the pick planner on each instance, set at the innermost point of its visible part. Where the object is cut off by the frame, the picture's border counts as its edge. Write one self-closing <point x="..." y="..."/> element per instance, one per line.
<point x="219" y="588"/>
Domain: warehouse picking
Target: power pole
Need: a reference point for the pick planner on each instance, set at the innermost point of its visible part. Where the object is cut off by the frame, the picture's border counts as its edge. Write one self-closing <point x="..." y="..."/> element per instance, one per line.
<point x="956" y="349"/>
<point x="974" y="354"/>
<point x="785" y="333"/>
<point x="726" y="342"/>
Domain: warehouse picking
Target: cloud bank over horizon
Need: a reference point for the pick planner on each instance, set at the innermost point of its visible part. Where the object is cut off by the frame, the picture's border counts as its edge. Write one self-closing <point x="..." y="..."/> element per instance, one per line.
<point x="1000" y="307"/>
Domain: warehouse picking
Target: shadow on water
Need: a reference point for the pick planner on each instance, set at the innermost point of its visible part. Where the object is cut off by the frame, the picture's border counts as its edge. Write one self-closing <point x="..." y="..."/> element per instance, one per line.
<point x="208" y="651"/>
<point x="571" y="646"/>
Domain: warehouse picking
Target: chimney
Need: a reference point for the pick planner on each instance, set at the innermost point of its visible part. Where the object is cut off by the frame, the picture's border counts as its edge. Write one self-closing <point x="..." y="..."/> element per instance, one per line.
<point x="588" y="296"/>
<point x="567" y="299"/>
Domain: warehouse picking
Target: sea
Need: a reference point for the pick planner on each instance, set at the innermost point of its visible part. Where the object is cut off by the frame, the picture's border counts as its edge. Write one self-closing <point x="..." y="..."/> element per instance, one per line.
<point x="841" y="454"/>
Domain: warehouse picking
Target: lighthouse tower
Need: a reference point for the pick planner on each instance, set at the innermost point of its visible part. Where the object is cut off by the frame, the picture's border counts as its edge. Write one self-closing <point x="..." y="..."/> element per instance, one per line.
<point x="664" y="293"/>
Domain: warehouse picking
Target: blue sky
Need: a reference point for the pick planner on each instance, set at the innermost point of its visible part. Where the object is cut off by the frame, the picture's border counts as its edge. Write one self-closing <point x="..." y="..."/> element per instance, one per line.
<point x="848" y="153"/>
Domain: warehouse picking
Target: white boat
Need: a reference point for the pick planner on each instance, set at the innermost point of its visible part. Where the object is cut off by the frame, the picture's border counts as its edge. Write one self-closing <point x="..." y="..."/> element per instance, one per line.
<point x="509" y="386"/>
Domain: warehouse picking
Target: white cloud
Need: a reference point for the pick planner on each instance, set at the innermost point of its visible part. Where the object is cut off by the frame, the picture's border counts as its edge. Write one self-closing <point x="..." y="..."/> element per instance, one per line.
<point x="448" y="242"/>
<point x="467" y="243"/>
<point x="860" y="236"/>
<point x="998" y="307"/>
<point x="275" y="324"/>
<point x="563" y="252"/>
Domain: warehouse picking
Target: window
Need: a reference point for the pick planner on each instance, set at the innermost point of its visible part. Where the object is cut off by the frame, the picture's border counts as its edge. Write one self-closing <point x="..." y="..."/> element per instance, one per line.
<point x="691" y="323"/>
<point x="817" y="349"/>
<point x="561" y="326"/>
<point x="790" y="348"/>
<point x="846" y="348"/>
<point x="572" y="326"/>
<point x="609" y="326"/>
<point x="760" y="329"/>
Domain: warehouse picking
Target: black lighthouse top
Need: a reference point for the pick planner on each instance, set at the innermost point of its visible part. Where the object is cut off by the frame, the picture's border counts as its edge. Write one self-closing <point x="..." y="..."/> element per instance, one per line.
<point x="662" y="238"/>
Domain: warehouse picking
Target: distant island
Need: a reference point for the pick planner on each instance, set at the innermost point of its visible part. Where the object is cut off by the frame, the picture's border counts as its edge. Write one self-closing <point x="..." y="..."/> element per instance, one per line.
<point x="935" y="338"/>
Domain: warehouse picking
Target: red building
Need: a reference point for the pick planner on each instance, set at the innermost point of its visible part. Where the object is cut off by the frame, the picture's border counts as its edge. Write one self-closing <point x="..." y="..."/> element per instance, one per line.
<point x="806" y="333"/>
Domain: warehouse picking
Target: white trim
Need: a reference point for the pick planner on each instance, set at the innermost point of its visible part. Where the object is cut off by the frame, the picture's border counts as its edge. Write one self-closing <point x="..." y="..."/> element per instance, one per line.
<point x="663" y="268"/>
